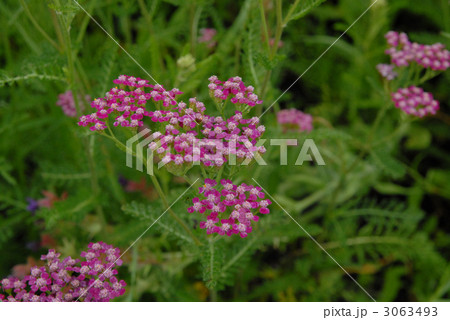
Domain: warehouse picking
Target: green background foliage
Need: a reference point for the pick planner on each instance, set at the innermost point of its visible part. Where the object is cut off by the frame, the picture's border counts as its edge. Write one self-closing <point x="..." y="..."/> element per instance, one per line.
<point x="379" y="206"/>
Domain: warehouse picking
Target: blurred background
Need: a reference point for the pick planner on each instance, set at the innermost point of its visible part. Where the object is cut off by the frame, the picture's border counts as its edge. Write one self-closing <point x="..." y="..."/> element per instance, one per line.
<point x="379" y="206"/>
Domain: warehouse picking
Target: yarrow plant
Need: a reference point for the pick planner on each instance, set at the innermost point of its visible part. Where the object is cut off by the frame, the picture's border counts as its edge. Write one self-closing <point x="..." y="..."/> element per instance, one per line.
<point x="229" y="208"/>
<point x="425" y="61"/>
<point x="92" y="278"/>
<point x="294" y="120"/>
<point x="184" y="135"/>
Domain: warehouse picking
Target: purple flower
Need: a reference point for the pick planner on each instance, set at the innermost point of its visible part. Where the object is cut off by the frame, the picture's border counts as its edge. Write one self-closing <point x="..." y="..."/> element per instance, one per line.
<point x="66" y="102"/>
<point x="235" y="89"/>
<point x="230" y="210"/>
<point x="33" y="205"/>
<point x="415" y="101"/>
<point x="69" y="279"/>
<point x="387" y="71"/>
<point x="294" y="120"/>
<point x="187" y="134"/>
<point x="128" y="106"/>
<point x="207" y="35"/>
<point x="403" y="52"/>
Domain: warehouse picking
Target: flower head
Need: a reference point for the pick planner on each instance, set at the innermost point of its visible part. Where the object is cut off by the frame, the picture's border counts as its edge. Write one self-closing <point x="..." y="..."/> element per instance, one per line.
<point x="47" y="202"/>
<point x="387" y="71"/>
<point x="415" y="101"/>
<point x="294" y="120"/>
<point x="235" y="89"/>
<point x="186" y="135"/>
<point x="33" y="205"/>
<point x="207" y="35"/>
<point x="403" y="52"/>
<point x="67" y="103"/>
<point x="69" y="279"/>
<point x="179" y="146"/>
<point x="229" y="208"/>
<point x="127" y="103"/>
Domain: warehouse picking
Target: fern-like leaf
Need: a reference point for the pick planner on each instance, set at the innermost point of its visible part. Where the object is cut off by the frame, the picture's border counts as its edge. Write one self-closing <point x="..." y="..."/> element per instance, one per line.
<point x="301" y="8"/>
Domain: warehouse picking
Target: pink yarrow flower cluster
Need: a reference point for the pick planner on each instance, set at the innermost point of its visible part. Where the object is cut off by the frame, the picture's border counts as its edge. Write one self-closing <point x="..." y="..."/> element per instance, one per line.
<point x="127" y="103"/>
<point x="234" y="89"/>
<point x="403" y="52"/>
<point x="387" y="71"/>
<point x="218" y="140"/>
<point x="295" y="120"/>
<point x="66" y="102"/>
<point x="415" y="101"/>
<point x="207" y="35"/>
<point x="63" y="280"/>
<point x="230" y="210"/>
<point x="183" y="133"/>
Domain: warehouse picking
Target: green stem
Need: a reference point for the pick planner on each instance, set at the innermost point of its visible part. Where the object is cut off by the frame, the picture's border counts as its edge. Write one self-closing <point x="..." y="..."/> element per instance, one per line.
<point x="376" y="123"/>
<point x="264" y="87"/>
<point x="57" y="29"/>
<point x="196" y="13"/>
<point x="205" y="175"/>
<point x="290" y="12"/>
<point x="158" y="188"/>
<point x="171" y="212"/>
<point x="271" y="51"/>
<point x="133" y="271"/>
<point x="264" y="23"/>
<point x="213" y="295"/>
<point x="188" y="180"/>
<point x="94" y="179"/>
<point x="445" y="15"/>
<point x="392" y="135"/>
<point x="219" y="175"/>
<point x="83" y="26"/>
<point x="429" y="74"/>
<point x="70" y="58"/>
<point x="145" y="12"/>
<point x="365" y="241"/>
<point x="279" y="29"/>
<point x="213" y="291"/>
<point x="88" y="145"/>
<point x="18" y="26"/>
<point x="37" y="26"/>
<point x="362" y="153"/>
<point x="443" y="288"/>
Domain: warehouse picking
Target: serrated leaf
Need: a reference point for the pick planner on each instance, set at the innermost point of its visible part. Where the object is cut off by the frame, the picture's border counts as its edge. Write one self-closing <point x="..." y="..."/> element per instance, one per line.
<point x="67" y="9"/>
<point x="439" y="178"/>
<point x="419" y="138"/>
<point x="74" y="208"/>
<point x="329" y="133"/>
<point x="301" y="8"/>
<point x="143" y="211"/>
<point x="155" y="213"/>
<point x="4" y="79"/>
<point x="266" y="62"/>
<point x="212" y="261"/>
<point x="387" y="163"/>
<point x="251" y="49"/>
